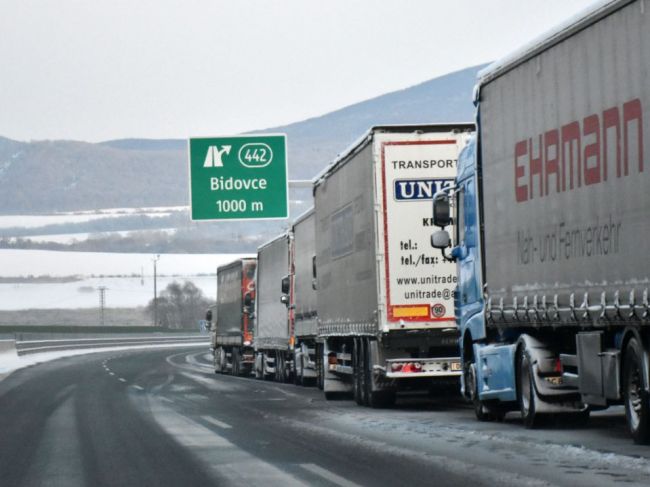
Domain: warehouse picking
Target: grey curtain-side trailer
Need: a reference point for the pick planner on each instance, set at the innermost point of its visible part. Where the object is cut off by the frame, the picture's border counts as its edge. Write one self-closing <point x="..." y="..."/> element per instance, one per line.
<point x="553" y="249"/>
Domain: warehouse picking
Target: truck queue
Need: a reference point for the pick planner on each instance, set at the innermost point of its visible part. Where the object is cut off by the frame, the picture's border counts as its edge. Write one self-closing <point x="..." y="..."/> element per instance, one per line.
<point x="354" y="299"/>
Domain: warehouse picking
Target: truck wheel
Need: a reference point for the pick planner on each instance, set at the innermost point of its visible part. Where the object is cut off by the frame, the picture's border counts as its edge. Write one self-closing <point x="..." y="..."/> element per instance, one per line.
<point x="526" y="391"/>
<point x="320" y="375"/>
<point x="297" y="369"/>
<point x="265" y="371"/>
<point x="637" y="403"/>
<point x="356" y="371"/>
<point x="278" y="367"/>
<point x="281" y="366"/>
<point x="220" y="361"/>
<point x="234" y="356"/>
<point x="224" y="361"/>
<point x="215" y="360"/>
<point x="365" y="377"/>
<point x="374" y="399"/>
<point x="480" y="410"/>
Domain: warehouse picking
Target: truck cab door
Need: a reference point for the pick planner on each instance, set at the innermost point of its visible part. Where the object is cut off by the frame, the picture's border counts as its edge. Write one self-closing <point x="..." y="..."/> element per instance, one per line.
<point x="469" y="297"/>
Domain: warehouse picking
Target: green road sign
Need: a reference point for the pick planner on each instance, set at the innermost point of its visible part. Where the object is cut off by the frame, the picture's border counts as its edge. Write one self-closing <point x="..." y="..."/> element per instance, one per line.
<point x="238" y="177"/>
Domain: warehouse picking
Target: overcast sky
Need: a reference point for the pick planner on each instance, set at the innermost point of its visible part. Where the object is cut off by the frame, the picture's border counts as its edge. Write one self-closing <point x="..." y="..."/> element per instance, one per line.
<point x="98" y="69"/>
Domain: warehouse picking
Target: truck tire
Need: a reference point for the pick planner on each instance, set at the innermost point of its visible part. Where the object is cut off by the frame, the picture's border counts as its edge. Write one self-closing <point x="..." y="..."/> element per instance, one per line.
<point x="357" y="371"/>
<point x="297" y="369"/>
<point x="234" y="356"/>
<point x="219" y="360"/>
<point x="480" y="410"/>
<point x="526" y="391"/>
<point x="365" y="377"/>
<point x="215" y="363"/>
<point x="320" y="374"/>
<point x="278" y="367"/>
<point x="374" y="399"/>
<point x="637" y="402"/>
<point x="265" y="373"/>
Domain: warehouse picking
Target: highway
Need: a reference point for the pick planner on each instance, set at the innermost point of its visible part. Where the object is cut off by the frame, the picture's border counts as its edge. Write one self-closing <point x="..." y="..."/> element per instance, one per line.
<point x="163" y="418"/>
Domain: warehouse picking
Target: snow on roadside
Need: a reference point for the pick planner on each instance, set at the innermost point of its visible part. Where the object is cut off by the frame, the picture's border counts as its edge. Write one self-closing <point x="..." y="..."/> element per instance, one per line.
<point x="10" y="362"/>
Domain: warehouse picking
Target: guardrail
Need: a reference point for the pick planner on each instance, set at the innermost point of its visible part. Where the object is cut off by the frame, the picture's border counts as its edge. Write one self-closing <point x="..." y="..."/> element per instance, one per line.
<point x="25" y="347"/>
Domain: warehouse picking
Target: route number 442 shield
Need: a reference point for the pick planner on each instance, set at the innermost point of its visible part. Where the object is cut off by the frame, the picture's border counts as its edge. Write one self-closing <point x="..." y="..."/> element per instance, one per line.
<point x="238" y="177"/>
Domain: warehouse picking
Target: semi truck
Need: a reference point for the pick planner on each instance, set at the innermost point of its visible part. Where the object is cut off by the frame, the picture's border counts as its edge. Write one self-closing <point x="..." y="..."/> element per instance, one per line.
<point x="552" y="225"/>
<point x="384" y="297"/>
<point x="231" y="328"/>
<point x="300" y="296"/>
<point x="271" y="338"/>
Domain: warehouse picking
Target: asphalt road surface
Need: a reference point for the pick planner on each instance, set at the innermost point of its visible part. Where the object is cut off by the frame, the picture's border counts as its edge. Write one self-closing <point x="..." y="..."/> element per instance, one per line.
<point x="163" y="418"/>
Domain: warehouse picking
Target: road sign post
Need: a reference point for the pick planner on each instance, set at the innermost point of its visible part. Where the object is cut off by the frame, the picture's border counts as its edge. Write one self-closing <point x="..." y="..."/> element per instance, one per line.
<point x="238" y="177"/>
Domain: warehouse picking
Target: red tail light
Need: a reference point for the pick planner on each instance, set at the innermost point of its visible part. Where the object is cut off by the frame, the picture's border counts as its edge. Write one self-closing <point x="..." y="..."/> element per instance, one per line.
<point x="412" y="367"/>
<point x="558" y="365"/>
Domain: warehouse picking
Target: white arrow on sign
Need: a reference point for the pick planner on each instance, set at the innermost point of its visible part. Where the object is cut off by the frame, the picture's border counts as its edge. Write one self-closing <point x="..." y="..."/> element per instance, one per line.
<point x="213" y="157"/>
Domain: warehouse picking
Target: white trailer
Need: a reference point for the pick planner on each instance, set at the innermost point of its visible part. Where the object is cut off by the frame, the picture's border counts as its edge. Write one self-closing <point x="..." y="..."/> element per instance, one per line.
<point x="385" y="298"/>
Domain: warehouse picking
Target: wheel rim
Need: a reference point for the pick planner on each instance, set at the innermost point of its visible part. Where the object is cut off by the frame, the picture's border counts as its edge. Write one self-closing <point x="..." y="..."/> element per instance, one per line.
<point x="633" y="394"/>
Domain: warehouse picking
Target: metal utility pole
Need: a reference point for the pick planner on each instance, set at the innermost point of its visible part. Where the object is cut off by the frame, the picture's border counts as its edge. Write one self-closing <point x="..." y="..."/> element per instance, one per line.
<point x="102" y="304"/>
<point x="155" y="291"/>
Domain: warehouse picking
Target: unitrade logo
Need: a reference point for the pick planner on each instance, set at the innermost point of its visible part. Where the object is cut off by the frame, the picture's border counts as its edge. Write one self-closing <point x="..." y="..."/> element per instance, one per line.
<point x="419" y="189"/>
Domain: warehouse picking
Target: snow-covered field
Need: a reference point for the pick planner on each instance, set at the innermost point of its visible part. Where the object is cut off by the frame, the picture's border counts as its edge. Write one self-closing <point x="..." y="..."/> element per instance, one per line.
<point x="127" y="211"/>
<point x="15" y="262"/>
<point x="93" y="267"/>
<point x="121" y="292"/>
<point x="67" y="238"/>
<point x="35" y="221"/>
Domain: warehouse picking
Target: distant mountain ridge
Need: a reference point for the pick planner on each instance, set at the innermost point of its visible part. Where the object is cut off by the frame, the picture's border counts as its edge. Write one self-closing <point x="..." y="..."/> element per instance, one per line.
<point x="47" y="176"/>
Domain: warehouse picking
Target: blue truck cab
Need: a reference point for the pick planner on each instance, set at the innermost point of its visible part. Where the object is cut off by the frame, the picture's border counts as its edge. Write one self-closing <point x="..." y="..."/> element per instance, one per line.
<point x="491" y="356"/>
<point x="551" y="225"/>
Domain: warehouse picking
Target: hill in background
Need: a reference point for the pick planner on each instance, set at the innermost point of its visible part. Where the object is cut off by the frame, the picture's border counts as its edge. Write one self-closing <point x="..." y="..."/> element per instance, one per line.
<point x="50" y="176"/>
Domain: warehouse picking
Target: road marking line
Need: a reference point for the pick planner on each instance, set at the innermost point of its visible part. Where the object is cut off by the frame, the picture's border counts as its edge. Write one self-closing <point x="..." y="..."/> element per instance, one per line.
<point x="122" y="380"/>
<point x="223" y="458"/>
<point x="166" y="399"/>
<point x="216" y="422"/>
<point x="327" y="475"/>
<point x="138" y="387"/>
<point x="111" y="373"/>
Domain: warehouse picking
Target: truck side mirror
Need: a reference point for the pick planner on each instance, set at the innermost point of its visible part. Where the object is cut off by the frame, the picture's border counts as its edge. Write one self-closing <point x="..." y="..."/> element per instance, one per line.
<point x="313" y="273"/>
<point x="208" y="315"/>
<point x="285" y="285"/>
<point x="440" y="239"/>
<point x="441" y="210"/>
